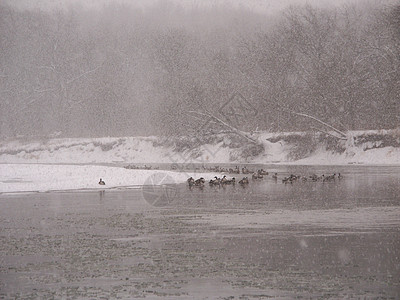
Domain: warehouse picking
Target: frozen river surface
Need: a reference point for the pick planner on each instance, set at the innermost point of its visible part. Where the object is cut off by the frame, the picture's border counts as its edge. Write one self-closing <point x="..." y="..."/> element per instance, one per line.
<point x="338" y="239"/>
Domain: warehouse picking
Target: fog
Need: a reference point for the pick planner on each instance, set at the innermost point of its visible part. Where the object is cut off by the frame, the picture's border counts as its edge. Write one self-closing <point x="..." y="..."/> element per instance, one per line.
<point x="124" y="70"/>
<point x="265" y="7"/>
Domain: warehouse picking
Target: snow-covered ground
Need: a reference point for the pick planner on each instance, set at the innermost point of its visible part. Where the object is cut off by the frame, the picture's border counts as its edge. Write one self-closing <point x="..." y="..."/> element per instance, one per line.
<point x="141" y="150"/>
<point x="84" y="150"/>
<point x="41" y="178"/>
<point x="381" y="156"/>
<point x="373" y="147"/>
<point x="63" y="164"/>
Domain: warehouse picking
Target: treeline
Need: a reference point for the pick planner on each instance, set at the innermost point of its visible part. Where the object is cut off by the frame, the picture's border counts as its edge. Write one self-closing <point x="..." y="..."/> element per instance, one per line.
<point x="123" y="71"/>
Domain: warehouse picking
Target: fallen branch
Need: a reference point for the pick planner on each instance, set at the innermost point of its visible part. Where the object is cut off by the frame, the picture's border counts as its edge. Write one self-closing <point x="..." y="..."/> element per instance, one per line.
<point x="342" y="134"/>
<point x="323" y="123"/>
<point x="328" y="133"/>
<point x="234" y="129"/>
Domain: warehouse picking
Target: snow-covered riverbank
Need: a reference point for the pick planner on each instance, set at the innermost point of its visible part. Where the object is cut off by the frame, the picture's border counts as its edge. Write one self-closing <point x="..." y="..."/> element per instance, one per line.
<point x="367" y="147"/>
<point x="64" y="164"/>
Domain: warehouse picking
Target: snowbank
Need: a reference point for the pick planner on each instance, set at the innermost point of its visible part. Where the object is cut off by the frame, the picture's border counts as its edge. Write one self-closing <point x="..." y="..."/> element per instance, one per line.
<point x="42" y="178"/>
<point x="381" y="156"/>
<point x="84" y="150"/>
<point x="366" y="147"/>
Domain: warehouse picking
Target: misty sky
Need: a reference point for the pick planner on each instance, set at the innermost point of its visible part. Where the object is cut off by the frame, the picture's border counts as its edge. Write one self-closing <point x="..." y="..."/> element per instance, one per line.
<point x="141" y="70"/>
<point x="265" y="6"/>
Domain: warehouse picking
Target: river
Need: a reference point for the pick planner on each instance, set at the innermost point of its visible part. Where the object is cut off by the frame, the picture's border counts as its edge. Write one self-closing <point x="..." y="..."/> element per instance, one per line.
<point x="337" y="239"/>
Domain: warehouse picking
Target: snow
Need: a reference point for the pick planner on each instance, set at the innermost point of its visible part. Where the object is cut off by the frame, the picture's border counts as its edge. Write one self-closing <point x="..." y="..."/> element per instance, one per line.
<point x="84" y="150"/>
<point x="141" y="150"/>
<point x="379" y="156"/>
<point x="42" y="178"/>
<point x="63" y="164"/>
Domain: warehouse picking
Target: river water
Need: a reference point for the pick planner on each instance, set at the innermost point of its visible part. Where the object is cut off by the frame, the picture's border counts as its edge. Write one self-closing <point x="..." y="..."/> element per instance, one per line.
<point x="338" y="239"/>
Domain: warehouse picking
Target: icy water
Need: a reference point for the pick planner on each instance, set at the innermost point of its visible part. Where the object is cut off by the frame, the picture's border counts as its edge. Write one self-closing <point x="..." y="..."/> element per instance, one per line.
<point x="268" y="240"/>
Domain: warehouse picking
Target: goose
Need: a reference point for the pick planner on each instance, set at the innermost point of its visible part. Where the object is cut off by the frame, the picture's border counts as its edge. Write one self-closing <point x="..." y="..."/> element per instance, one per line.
<point x="329" y="178"/>
<point x="245" y="180"/>
<point x="190" y="181"/>
<point x="231" y="181"/>
<point x="262" y="172"/>
<point x="199" y="182"/>
<point x="224" y="179"/>
<point x="215" y="181"/>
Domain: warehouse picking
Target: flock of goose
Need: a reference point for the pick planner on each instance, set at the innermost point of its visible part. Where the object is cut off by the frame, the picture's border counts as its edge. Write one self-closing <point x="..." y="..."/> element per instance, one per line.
<point x="216" y="181"/>
<point x="292" y="178"/>
<point x="255" y="175"/>
<point x="145" y="167"/>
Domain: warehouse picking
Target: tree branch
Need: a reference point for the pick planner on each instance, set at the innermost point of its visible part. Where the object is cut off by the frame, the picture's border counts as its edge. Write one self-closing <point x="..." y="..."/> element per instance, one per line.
<point x="234" y="129"/>
<point x="328" y="133"/>
<point x="319" y="121"/>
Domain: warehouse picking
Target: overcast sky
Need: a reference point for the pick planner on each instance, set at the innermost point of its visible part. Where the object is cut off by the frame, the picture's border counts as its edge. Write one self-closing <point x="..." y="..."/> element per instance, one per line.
<point x="266" y="6"/>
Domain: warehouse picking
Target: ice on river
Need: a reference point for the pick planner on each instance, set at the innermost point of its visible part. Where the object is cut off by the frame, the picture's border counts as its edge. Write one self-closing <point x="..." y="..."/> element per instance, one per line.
<point x="41" y="177"/>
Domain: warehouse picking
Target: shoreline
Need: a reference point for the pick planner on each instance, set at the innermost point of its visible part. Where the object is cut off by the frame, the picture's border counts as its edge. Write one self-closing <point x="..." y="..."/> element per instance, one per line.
<point x="46" y="178"/>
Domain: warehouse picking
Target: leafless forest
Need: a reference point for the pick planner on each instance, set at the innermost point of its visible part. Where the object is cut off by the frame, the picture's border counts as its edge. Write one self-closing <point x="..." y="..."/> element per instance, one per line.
<point x="121" y="70"/>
